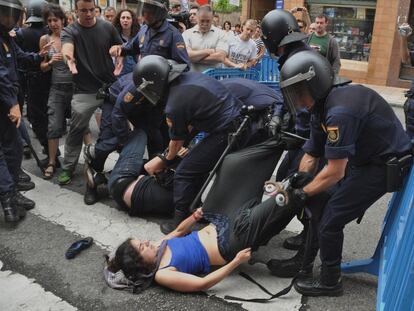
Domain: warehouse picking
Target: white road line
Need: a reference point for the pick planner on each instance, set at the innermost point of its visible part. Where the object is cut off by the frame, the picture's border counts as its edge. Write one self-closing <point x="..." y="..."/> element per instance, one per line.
<point x="20" y="293"/>
<point x="109" y="227"/>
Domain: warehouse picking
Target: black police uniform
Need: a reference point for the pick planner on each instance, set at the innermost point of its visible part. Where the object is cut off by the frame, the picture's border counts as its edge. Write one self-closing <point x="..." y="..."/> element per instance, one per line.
<point x="127" y="104"/>
<point x="202" y="104"/>
<point x="358" y="124"/>
<point x="38" y="82"/>
<point x="165" y="41"/>
<point x="409" y="106"/>
<point x="291" y="161"/>
<point x="10" y="146"/>
<point x="148" y="121"/>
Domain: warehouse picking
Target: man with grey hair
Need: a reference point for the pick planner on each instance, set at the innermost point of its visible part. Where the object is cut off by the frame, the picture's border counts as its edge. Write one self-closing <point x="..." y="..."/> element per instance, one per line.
<point x="206" y="44"/>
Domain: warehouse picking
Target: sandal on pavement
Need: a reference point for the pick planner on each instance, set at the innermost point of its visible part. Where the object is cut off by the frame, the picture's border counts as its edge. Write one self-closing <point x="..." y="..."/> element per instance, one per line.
<point x="77" y="247"/>
<point x="49" y="171"/>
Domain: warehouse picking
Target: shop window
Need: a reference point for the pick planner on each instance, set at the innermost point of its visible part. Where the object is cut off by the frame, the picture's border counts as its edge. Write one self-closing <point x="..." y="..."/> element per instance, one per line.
<point x="351" y="26"/>
<point x="407" y="71"/>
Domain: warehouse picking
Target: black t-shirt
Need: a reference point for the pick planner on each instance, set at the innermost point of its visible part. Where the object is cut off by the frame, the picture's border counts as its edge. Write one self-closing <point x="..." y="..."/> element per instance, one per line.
<point x="92" y="44"/>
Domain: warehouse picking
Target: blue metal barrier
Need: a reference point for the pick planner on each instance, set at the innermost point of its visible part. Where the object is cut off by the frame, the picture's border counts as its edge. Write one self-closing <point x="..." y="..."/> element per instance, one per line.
<point x="393" y="260"/>
<point x="268" y="68"/>
<point x="227" y="73"/>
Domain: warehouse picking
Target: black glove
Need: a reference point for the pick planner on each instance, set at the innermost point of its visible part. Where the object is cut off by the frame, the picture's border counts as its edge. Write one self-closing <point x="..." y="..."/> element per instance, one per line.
<point x="300" y="179"/>
<point x="297" y="198"/>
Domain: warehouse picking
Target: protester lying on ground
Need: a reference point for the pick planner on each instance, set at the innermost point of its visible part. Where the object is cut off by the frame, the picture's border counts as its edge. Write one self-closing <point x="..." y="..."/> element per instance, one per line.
<point x="238" y="222"/>
<point x="168" y="261"/>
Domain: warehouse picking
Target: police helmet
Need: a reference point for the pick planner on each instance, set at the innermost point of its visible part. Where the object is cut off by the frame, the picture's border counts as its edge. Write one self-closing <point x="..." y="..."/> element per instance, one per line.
<point x="279" y="27"/>
<point x="35" y="11"/>
<point x="152" y="75"/>
<point x="10" y="13"/>
<point x="156" y="9"/>
<point x="305" y="71"/>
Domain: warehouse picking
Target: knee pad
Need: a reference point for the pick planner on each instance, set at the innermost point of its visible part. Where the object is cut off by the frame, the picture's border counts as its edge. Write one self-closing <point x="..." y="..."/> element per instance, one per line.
<point x="118" y="189"/>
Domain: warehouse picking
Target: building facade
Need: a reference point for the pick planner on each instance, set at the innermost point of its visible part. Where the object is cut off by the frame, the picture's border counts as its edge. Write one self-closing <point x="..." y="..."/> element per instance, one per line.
<point x="366" y="31"/>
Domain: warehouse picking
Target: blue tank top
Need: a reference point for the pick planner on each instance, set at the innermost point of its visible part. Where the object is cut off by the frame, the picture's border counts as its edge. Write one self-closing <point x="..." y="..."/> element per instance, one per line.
<point x="188" y="255"/>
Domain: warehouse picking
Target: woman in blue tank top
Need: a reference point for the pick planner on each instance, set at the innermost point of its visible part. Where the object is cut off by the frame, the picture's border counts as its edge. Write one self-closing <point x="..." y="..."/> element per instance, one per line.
<point x="182" y="260"/>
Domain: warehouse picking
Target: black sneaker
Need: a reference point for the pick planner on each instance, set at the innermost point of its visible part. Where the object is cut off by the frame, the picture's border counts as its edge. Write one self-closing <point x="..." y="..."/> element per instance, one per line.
<point x="24" y="185"/>
<point x="295" y="242"/>
<point x="91" y="195"/>
<point x="26" y="152"/>
<point x="20" y="200"/>
<point x="23" y="176"/>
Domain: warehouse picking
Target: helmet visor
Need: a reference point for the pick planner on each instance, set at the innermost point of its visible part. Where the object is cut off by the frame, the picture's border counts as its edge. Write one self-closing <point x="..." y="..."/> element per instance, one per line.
<point x="148" y="90"/>
<point x="10" y="14"/>
<point x="152" y="11"/>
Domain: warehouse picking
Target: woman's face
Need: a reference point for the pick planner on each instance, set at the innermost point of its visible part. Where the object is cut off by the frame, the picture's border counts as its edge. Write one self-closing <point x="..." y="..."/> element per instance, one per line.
<point x="146" y="249"/>
<point x="55" y="24"/>
<point x="125" y="20"/>
<point x="227" y="27"/>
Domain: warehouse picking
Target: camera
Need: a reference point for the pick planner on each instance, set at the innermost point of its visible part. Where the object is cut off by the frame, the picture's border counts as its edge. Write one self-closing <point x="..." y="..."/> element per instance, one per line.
<point x="182" y="17"/>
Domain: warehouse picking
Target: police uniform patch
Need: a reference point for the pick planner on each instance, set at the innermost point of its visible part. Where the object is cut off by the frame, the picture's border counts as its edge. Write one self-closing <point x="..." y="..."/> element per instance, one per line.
<point x="180" y="45"/>
<point x="333" y="134"/>
<point x="128" y="97"/>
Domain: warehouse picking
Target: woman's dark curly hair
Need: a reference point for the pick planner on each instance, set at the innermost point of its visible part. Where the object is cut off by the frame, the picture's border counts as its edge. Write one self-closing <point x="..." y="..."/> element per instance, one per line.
<point x="56" y="11"/>
<point x="135" y="25"/>
<point x="132" y="265"/>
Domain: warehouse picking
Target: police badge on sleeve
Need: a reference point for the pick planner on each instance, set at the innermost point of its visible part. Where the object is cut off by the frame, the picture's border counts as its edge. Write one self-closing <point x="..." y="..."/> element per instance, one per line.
<point x="333" y="134"/>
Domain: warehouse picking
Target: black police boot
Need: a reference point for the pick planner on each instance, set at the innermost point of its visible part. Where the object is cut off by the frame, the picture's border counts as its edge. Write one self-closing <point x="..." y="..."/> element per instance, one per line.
<point x="286" y="268"/>
<point x="295" y="242"/>
<point x="169" y="226"/>
<point x="329" y="283"/>
<point x="23" y="176"/>
<point x="26" y="152"/>
<point x="12" y="213"/>
<point x="21" y="201"/>
<point x="24" y="185"/>
<point x="91" y="195"/>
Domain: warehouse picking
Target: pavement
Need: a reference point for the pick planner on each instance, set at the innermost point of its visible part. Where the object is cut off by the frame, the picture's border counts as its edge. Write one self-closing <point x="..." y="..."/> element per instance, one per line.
<point x="34" y="274"/>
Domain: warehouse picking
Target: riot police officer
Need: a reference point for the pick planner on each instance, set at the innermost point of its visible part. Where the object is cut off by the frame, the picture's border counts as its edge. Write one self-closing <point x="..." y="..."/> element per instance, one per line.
<point x="407" y="58"/>
<point x="193" y="103"/>
<point x="125" y="106"/>
<point x="14" y="204"/>
<point x="157" y="36"/>
<point x="283" y="38"/>
<point x="38" y="83"/>
<point x="358" y="133"/>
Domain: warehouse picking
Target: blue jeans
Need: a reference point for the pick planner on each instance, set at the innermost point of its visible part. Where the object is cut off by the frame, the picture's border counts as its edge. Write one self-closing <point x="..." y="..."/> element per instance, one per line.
<point x="130" y="160"/>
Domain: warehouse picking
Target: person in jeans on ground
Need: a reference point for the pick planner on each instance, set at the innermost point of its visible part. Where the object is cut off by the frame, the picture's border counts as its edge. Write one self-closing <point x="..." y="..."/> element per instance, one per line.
<point x="90" y="74"/>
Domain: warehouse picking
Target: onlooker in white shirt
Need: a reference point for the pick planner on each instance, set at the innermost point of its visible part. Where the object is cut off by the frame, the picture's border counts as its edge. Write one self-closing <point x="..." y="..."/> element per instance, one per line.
<point x="242" y="49"/>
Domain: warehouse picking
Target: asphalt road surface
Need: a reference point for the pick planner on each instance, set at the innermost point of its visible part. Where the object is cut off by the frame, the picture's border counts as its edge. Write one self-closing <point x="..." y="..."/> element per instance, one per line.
<point x="36" y="276"/>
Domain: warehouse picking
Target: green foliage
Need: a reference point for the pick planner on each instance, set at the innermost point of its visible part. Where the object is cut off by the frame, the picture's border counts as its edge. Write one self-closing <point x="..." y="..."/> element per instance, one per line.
<point x="223" y="6"/>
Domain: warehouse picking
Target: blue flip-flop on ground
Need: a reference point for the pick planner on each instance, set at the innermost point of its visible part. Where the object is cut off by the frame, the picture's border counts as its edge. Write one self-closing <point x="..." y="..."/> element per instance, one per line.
<point x="78" y="246"/>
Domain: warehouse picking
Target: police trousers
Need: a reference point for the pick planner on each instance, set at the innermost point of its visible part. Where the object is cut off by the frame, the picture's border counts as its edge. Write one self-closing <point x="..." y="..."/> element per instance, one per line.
<point x="361" y="187"/>
<point x="11" y="152"/>
<point x="193" y="170"/>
